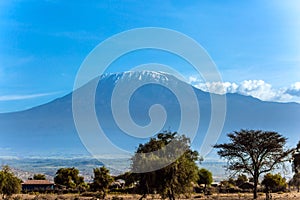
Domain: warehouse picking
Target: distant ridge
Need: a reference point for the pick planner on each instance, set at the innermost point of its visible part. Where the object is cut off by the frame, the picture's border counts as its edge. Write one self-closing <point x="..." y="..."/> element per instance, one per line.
<point x="49" y="129"/>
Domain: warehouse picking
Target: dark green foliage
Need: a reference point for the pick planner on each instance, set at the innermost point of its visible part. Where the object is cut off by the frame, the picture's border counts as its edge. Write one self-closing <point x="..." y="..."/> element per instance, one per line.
<point x="296" y="167"/>
<point x="39" y="177"/>
<point x="296" y="181"/>
<point x="273" y="183"/>
<point x="174" y="179"/>
<point x="68" y="177"/>
<point x="128" y="177"/>
<point x="254" y="152"/>
<point x="9" y="183"/>
<point x="230" y="183"/>
<point x="204" y="177"/>
<point x="102" y="180"/>
<point x="241" y="179"/>
<point x="296" y="159"/>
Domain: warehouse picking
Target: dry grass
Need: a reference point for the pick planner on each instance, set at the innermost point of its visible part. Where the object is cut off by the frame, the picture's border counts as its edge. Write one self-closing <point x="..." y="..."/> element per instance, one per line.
<point x="239" y="196"/>
<point x="249" y="196"/>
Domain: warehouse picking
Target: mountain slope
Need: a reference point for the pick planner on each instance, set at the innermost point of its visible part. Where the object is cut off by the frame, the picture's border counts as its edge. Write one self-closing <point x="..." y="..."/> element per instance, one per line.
<point x="49" y="129"/>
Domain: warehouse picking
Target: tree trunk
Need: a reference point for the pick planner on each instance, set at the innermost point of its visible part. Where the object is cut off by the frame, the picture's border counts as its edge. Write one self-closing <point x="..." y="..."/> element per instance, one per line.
<point x="255" y="179"/>
<point x="143" y="196"/>
<point x="171" y="194"/>
<point x="255" y="192"/>
<point x="267" y="193"/>
<point x="104" y="194"/>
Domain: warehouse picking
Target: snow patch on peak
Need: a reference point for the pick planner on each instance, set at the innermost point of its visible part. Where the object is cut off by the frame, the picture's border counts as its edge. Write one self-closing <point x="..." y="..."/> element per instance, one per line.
<point x="137" y="75"/>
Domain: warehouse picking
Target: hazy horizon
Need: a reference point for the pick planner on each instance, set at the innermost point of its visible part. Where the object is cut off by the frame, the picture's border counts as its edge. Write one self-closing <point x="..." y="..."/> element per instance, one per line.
<point x="255" y="45"/>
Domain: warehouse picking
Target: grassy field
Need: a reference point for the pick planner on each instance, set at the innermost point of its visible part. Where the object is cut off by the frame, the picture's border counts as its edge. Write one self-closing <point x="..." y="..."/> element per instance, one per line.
<point x="243" y="196"/>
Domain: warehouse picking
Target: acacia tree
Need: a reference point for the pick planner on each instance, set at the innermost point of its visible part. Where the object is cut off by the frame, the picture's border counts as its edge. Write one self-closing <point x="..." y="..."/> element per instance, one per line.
<point x="9" y="183"/>
<point x="172" y="180"/>
<point x="205" y="177"/>
<point x="254" y="152"/>
<point x="102" y="180"/>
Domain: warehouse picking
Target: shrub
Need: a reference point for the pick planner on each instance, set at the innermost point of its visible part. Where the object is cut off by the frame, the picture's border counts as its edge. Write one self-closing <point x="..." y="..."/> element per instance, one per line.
<point x="274" y="183"/>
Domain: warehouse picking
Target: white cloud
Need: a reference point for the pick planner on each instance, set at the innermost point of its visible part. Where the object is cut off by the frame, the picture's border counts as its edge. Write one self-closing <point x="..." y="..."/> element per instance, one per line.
<point x="294" y="89"/>
<point x="255" y="88"/>
<point x="193" y="79"/>
<point x="262" y="90"/>
<point x="26" y="96"/>
<point x="218" y="87"/>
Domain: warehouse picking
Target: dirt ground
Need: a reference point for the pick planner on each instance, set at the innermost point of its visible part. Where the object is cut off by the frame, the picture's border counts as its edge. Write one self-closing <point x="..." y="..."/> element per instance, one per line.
<point x="249" y="196"/>
<point x="241" y="196"/>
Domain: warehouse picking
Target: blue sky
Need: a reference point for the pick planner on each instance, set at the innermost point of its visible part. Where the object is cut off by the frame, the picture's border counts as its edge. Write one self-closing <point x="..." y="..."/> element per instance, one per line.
<point x="255" y="44"/>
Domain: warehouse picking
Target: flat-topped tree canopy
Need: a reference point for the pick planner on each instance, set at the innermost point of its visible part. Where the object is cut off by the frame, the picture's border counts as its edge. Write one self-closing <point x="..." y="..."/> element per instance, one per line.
<point x="254" y="152"/>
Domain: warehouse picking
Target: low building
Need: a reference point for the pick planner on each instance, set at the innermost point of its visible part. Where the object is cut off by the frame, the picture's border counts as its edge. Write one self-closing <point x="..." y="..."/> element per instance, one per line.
<point x="37" y="185"/>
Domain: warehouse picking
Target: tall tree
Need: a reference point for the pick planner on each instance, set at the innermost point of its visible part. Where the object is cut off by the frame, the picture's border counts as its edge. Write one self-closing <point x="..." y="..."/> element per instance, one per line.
<point x="172" y="180"/>
<point x="102" y="180"/>
<point x="68" y="177"/>
<point x="205" y="177"/>
<point x="9" y="183"/>
<point x="254" y="152"/>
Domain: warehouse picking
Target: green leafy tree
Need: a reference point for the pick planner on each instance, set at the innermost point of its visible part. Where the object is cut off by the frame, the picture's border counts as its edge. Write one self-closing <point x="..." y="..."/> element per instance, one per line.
<point x="39" y="177"/>
<point x="68" y="177"/>
<point x="273" y="183"/>
<point x="228" y="183"/>
<point x="254" y="152"/>
<point x="128" y="177"/>
<point x="296" y="167"/>
<point x="296" y="159"/>
<point x="296" y="181"/>
<point x="174" y="179"/>
<point x="231" y="181"/>
<point x="102" y="180"/>
<point x="205" y="177"/>
<point x="241" y="179"/>
<point x="9" y="183"/>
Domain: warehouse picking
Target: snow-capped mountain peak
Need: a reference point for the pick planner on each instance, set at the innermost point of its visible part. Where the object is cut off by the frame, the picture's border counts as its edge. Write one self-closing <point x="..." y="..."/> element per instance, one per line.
<point x="156" y="76"/>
